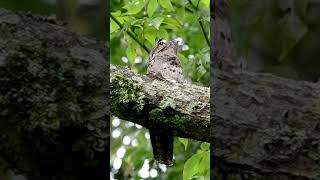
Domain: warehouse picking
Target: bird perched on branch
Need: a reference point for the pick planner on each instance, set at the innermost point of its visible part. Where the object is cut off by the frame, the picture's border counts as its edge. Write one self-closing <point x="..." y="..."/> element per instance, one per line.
<point x="164" y="64"/>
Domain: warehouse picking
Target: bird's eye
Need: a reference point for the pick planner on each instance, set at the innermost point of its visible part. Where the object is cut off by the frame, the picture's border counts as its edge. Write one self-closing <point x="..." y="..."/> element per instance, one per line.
<point x="161" y="43"/>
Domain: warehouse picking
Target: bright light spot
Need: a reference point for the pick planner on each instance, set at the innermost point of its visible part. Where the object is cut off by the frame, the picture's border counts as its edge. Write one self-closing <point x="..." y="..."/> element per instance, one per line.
<point x="116" y="133"/>
<point x="116" y="122"/>
<point x="169" y="16"/>
<point x="137" y="3"/>
<point x="129" y="124"/>
<point x="126" y="140"/>
<point x="146" y="162"/>
<point x="186" y="25"/>
<point x="153" y="173"/>
<point x="191" y="56"/>
<point x="179" y="40"/>
<point x="111" y="176"/>
<point x="138" y="59"/>
<point x="120" y="152"/>
<point x="114" y="171"/>
<point x="117" y="163"/>
<point x="144" y="171"/>
<point x="138" y="126"/>
<point x="147" y="135"/>
<point x="124" y="59"/>
<point x="134" y="142"/>
<point x="163" y="167"/>
<point x="185" y="47"/>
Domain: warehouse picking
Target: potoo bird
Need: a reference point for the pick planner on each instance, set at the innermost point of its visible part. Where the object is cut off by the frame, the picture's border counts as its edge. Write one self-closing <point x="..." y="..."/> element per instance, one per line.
<point x="164" y="64"/>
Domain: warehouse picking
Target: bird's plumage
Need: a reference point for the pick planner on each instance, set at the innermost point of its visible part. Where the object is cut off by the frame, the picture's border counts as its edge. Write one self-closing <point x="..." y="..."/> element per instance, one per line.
<point x="164" y="64"/>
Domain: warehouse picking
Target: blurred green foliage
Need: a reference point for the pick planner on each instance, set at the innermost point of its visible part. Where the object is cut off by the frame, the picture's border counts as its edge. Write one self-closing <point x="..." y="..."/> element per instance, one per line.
<point x="84" y="18"/>
<point x="36" y="6"/>
<point x="131" y="155"/>
<point x="135" y="26"/>
<point x="281" y="37"/>
<point x="150" y="20"/>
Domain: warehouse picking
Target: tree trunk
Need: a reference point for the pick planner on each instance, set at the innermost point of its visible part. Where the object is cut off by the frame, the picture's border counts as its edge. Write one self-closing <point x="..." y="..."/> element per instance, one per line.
<point x="53" y="109"/>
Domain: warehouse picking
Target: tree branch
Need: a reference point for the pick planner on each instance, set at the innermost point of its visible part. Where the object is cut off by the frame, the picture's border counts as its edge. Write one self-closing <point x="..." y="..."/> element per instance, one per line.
<point x="264" y="126"/>
<point x="151" y="103"/>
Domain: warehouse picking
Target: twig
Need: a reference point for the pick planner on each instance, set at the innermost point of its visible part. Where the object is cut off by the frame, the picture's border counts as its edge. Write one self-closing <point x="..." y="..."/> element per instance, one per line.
<point x="192" y="5"/>
<point x="198" y="3"/>
<point x="130" y="34"/>
<point x="200" y="22"/>
<point x="204" y="32"/>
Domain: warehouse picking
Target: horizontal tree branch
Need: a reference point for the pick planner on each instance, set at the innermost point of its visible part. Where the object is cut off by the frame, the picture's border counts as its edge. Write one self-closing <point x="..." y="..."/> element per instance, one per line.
<point x="265" y="127"/>
<point x="152" y="103"/>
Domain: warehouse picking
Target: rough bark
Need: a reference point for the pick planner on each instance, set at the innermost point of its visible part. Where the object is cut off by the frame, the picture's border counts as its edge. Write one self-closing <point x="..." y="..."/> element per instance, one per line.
<point x="262" y="126"/>
<point x="53" y="120"/>
<point x="183" y="107"/>
<point x="265" y="126"/>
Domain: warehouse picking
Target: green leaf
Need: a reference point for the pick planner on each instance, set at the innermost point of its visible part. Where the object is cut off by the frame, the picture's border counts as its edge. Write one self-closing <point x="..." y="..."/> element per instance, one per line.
<point x="134" y="7"/>
<point x="191" y="167"/>
<point x="166" y="4"/>
<point x="113" y="26"/>
<point x="293" y="30"/>
<point x="182" y="58"/>
<point x="162" y="33"/>
<point x="131" y="54"/>
<point x="172" y="21"/>
<point x="137" y="22"/>
<point x="206" y="3"/>
<point x="116" y="14"/>
<point x="197" y="166"/>
<point x="181" y="13"/>
<point x="156" y="22"/>
<point x="152" y="6"/>
<point x="205" y="146"/>
<point x="204" y="164"/>
<point x="150" y="34"/>
<point x="184" y="142"/>
<point x="138" y="157"/>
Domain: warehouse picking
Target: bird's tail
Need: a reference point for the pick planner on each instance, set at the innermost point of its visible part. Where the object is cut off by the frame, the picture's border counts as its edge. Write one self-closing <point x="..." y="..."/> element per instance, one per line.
<point x="162" y="145"/>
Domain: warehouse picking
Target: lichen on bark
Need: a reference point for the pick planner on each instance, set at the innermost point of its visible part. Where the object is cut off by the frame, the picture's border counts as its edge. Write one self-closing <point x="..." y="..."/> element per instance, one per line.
<point x="52" y="100"/>
<point x="126" y="95"/>
<point x="152" y="102"/>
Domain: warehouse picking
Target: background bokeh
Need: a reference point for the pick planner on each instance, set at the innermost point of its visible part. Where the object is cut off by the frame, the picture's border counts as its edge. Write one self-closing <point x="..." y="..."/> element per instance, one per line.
<point x="86" y="17"/>
<point x="280" y="37"/>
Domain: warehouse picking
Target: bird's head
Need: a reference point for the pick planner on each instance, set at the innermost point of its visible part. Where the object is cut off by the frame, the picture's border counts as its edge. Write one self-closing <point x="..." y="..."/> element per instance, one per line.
<point x="164" y="47"/>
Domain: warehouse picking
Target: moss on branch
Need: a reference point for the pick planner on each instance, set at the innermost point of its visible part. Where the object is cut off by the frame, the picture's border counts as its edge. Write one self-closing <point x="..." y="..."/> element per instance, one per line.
<point x="182" y="107"/>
